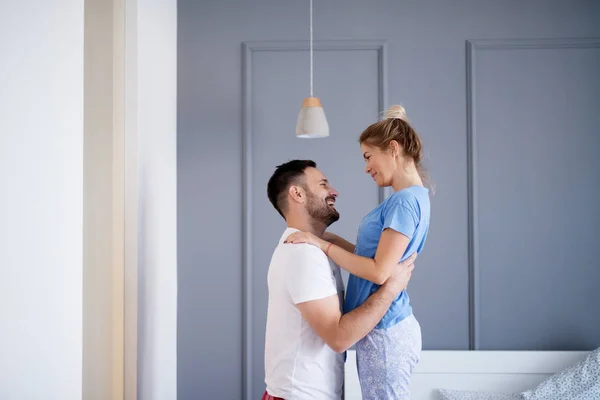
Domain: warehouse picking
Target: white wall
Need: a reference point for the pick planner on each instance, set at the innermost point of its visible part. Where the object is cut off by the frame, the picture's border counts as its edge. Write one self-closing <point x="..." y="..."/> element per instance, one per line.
<point x="103" y="210"/>
<point x="157" y="151"/>
<point x="41" y="199"/>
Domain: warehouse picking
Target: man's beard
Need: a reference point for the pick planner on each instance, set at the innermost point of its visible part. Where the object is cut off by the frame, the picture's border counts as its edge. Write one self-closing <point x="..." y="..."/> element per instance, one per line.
<point x="320" y="211"/>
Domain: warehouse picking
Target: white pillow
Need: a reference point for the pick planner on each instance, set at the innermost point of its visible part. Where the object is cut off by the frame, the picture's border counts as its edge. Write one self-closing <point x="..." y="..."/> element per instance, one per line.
<point x="580" y="381"/>
<point x="451" y="394"/>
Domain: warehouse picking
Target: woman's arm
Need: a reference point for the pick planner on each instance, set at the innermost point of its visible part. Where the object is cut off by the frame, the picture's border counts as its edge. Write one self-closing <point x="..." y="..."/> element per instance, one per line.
<point x="392" y="245"/>
<point x="339" y="241"/>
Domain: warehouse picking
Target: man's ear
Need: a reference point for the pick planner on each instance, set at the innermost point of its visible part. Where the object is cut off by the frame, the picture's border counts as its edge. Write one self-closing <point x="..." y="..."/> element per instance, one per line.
<point x="297" y="193"/>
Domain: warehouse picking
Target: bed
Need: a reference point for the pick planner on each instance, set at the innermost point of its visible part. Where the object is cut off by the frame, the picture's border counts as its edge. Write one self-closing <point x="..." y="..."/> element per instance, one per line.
<point x="486" y="371"/>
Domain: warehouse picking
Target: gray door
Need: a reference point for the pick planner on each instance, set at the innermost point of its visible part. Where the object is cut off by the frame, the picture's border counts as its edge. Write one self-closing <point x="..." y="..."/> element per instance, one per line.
<point x="536" y="164"/>
<point x="278" y="80"/>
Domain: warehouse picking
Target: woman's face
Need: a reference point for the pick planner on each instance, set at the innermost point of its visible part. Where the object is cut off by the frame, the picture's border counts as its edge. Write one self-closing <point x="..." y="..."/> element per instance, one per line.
<point x="380" y="164"/>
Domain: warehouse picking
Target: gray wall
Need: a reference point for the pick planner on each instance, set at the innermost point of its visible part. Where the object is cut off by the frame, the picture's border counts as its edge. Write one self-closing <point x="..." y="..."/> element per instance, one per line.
<point x="511" y="138"/>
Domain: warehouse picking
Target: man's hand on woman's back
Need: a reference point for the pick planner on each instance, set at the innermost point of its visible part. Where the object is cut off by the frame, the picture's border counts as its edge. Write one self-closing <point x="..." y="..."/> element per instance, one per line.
<point x="398" y="280"/>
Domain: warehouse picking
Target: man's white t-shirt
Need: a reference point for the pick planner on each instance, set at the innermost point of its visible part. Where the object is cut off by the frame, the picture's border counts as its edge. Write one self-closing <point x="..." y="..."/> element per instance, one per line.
<point x="298" y="363"/>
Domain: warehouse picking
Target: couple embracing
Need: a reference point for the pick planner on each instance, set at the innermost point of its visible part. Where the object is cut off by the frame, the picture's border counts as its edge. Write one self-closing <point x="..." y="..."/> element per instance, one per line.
<point x="310" y="322"/>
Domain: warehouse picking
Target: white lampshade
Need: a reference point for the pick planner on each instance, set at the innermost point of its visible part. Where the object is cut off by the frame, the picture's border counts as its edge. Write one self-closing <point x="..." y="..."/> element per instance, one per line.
<point x="312" y="122"/>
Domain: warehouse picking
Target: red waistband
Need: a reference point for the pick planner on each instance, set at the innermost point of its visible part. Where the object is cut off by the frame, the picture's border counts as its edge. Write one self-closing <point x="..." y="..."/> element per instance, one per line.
<point x="267" y="396"/>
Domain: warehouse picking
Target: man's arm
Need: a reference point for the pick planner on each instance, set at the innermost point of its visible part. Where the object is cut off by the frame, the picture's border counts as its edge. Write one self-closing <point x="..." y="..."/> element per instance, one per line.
<point x="339" y="331"/>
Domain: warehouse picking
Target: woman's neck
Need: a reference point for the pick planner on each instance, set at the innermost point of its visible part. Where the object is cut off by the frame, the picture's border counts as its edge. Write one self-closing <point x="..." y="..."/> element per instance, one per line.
<point x="406" y="176"/>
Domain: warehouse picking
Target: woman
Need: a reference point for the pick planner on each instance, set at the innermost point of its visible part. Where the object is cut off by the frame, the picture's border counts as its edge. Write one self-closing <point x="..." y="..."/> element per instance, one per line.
<point x="388" y="234"/>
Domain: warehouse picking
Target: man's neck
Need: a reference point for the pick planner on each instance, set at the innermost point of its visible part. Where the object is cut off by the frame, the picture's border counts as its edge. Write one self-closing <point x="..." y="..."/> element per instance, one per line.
<point x="306" y="224"/>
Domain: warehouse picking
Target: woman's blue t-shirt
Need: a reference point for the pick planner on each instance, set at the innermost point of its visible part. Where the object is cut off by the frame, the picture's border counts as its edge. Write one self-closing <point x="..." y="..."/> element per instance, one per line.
<point x="406" y="211"/>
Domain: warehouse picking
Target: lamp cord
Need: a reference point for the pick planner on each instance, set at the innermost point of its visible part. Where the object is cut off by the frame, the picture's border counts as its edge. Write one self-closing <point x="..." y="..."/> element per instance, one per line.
<point x="311" y="48"/>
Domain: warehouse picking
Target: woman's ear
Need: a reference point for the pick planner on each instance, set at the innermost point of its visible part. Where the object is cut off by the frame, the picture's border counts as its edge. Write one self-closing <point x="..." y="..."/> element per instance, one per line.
<point x="395" y="148"/>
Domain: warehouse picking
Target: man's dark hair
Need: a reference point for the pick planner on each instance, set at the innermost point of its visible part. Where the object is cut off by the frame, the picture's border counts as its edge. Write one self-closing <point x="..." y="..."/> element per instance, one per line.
<point x="292" y="172"/>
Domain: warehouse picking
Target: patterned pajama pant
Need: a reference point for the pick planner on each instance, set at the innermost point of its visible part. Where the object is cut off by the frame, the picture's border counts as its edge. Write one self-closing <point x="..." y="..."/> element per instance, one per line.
<point x="385" y="360"/>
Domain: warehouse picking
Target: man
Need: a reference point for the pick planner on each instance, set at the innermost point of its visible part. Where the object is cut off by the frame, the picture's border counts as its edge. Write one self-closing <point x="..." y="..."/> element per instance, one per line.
<point x="306" y="332"/>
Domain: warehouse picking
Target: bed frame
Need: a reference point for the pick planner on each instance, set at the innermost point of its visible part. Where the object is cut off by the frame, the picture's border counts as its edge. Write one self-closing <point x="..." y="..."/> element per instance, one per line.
<point x="492" y="371"/>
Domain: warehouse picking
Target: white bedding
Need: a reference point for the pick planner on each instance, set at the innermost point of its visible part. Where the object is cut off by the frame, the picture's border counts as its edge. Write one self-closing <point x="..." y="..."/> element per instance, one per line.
<point x="488" y="371"/>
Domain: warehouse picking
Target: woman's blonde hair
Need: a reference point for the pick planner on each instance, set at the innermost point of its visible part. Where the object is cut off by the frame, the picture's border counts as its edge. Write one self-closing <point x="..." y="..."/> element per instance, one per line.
<point x="395" y="126"/>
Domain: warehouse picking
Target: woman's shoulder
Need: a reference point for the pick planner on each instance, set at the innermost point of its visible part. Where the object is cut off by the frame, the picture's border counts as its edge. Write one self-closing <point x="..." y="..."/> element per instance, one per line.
<point x="409" y="197"/>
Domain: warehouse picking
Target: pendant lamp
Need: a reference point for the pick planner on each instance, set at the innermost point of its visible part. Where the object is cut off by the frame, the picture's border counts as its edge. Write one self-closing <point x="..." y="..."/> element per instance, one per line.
<point x="312" y="122"/>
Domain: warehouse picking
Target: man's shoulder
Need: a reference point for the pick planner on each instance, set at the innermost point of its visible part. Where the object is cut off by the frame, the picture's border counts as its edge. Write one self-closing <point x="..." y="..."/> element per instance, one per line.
<point x="306" y="252"/>
<point x="302" y="255"/>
